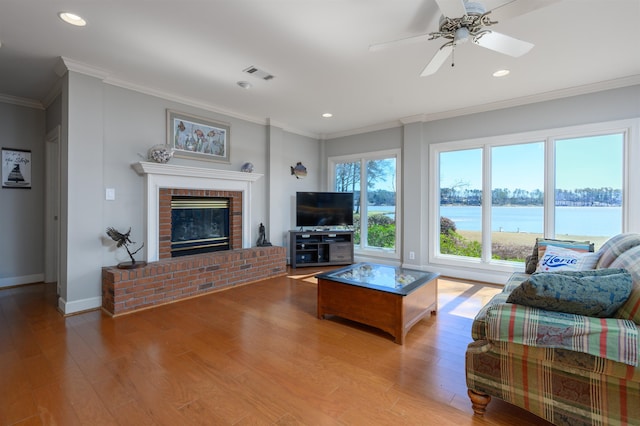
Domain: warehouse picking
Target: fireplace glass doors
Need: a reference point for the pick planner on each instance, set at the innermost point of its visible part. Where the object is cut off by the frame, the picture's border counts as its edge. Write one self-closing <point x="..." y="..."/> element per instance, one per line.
<point x="199" y="225"/>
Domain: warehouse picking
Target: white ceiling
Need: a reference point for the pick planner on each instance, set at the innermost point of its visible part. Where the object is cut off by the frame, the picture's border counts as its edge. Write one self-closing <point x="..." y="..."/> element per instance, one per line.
<point x="195" y="51"/>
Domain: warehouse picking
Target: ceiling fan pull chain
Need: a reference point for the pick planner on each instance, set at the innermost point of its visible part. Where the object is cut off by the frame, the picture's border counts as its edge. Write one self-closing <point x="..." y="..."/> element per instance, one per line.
<point x="453" y="56"/>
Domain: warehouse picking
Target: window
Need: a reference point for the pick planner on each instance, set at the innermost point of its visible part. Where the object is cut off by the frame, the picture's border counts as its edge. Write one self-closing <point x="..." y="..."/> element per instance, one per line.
<point x="588" y="190"/>
<point x="493" y="197"/>
<point x="373" y="179"/>
<point x="461" y="202"/>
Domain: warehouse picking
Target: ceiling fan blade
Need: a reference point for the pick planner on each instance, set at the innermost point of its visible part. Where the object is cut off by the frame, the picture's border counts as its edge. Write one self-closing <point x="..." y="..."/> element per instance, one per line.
<point x="402" y="41"/>
<point x="503" y="43"/>
<point x="452" y="8"/>
<point x="438" y="59"/>
<point x="514" y="8"/>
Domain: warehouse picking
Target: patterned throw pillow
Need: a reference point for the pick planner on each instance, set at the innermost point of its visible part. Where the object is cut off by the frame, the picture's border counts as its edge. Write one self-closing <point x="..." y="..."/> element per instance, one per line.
<point x="615" y="246"/>
<point x="556" y="259"/>
<point x="541" y="245"/>
<point x="596" y="293"/>
<point x="630" y="260"/>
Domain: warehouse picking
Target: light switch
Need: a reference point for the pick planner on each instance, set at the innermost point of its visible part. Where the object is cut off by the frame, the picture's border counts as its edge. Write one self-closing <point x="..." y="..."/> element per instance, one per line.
<point x="110" y="194"/>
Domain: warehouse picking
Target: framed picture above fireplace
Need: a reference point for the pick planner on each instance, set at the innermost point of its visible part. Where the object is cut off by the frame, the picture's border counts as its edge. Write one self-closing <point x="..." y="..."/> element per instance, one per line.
<point x="197" y="137"/>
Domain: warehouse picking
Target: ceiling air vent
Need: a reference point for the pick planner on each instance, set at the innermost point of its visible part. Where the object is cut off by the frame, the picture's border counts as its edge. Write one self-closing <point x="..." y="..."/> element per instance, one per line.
<point x="258" y="73"/>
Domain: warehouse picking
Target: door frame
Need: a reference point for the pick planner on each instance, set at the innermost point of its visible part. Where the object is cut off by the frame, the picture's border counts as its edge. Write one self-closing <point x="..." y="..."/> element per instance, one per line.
<point x="52" y="207"/>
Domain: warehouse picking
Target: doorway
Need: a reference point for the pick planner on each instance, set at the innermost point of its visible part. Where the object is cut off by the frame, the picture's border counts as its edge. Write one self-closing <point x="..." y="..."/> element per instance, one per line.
<point x="52" y="207"/>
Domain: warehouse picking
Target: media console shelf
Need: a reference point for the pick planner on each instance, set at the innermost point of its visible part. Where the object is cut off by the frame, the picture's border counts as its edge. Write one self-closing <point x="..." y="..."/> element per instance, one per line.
<point x="318" y="248"/>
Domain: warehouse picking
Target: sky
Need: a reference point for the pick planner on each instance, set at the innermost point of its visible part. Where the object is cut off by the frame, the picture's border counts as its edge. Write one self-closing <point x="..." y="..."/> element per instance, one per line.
<point x="589" y="162"/>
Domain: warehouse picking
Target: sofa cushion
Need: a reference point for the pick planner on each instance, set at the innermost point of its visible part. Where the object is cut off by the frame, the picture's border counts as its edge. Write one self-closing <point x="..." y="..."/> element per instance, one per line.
<point x="479" y="325"/>
<point x="615" y="246"/>
<point x="541" y="245"/>
<point x="630" y="260"/>
<point x="597" y="293"/>
<point x="556" y="259"/>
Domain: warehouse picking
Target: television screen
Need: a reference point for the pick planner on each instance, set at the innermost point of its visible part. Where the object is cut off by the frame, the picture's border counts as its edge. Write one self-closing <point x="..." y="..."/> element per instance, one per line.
<point x="324" y="209"/>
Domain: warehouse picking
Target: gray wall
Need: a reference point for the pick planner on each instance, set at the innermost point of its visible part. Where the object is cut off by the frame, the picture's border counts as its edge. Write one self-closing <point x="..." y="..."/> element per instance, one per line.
<point x="22" y="210"/>
<point x="285" y="150"/>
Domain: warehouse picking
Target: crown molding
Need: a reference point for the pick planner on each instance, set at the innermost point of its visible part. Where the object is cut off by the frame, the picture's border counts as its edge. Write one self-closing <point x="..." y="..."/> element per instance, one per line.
<point x="14" y="100"/>
<point x="55" y="91"/>
<point x="181" y="99"/>
<point x="531" y="99"/>
<point x="367" y="129"/>
<point x="71" y="65"/>
<point x="508" y="103"/>
<point x="67" y="64"/>
<point x="289" y="129"/>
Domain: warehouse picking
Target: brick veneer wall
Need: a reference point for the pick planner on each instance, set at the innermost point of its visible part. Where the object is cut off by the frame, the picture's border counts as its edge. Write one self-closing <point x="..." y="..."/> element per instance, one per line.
<point x="170" y="280"/>
<point x="164" y="215"/>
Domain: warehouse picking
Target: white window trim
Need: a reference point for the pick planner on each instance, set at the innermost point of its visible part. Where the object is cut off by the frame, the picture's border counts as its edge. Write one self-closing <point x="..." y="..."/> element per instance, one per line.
<point x="371" y="252"/>
<point x="631" y="177"/>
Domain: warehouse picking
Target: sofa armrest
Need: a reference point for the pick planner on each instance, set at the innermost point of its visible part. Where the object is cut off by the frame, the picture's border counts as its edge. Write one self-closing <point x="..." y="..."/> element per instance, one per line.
<point x="609" y="338"/>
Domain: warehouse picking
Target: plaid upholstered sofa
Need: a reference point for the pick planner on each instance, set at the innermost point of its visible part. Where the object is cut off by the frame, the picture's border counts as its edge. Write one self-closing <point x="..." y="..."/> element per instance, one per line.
<point x="568" y="369"/>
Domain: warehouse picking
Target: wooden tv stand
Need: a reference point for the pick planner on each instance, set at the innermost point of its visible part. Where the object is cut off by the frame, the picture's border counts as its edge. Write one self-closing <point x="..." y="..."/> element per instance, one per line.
<point x="320" y="248"/>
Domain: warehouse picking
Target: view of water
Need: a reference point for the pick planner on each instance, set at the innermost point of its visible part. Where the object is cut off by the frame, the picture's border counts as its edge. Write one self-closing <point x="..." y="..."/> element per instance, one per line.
<point x="587" y="221"/>
<point x="591" y="221"/>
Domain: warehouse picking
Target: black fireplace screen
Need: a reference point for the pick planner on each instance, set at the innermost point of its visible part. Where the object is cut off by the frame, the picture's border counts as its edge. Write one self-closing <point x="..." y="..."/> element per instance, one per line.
<point x="199" y="225"/>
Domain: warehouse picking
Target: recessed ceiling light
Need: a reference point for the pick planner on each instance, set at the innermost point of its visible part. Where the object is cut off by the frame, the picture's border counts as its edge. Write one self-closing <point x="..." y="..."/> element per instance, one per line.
<point x="501" y="73"/>
<point x="244" y="84"/>
<point x="327" y="115"/>
<point x="72" y="18"/>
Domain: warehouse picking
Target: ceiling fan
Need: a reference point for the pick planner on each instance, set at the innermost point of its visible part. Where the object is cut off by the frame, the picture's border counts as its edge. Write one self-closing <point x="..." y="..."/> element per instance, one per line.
<point x="462" y="20"/>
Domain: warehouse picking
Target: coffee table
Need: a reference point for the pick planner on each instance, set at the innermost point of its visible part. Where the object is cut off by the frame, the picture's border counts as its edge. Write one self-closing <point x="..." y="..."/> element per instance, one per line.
<point x="390" y="298"/>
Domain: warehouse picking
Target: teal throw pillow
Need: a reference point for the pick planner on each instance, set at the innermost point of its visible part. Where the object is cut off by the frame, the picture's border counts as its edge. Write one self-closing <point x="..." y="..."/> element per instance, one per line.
<point x="595" y="293"/>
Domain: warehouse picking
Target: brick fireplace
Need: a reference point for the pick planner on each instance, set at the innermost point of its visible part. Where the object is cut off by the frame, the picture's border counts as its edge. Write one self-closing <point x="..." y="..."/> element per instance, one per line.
<point x="193" y="180"/>
<point x="166" y="279"/>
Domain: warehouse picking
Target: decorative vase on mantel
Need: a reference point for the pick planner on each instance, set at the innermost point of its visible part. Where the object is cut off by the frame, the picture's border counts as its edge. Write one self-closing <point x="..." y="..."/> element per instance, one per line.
<point x="160" y="153"/>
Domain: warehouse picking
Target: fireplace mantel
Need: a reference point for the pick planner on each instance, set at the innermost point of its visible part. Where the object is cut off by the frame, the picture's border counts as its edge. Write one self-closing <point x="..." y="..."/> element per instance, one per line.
<point x="185" y="177"/>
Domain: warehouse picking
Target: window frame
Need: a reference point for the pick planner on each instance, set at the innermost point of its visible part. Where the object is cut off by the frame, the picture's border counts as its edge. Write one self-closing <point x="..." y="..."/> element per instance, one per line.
<point x="631" y="154"/>
<point x="360" y="249"/>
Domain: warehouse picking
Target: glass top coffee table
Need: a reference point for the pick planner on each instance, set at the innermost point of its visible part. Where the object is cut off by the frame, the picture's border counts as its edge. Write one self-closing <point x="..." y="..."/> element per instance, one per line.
<point x="390" y="298"/>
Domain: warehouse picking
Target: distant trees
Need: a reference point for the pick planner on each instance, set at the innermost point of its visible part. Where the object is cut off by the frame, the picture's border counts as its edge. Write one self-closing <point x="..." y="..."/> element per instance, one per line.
<point x="581" y="197"/>
<point x="348" y="180"/>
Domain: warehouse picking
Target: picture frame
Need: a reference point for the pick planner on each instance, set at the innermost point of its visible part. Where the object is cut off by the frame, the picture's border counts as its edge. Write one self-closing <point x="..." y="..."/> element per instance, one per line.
<point x="197" y="137"/>
<point x="16" y="168"/>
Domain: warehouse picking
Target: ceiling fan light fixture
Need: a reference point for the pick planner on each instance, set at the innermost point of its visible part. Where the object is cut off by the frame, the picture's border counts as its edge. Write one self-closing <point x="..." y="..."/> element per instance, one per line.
<point x="72" y="18"/>
<point x="501" y="73"/>
<point x="462" y="35"/>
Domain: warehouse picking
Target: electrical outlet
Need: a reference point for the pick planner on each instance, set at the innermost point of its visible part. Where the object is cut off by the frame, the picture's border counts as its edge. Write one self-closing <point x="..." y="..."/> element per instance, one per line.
<point x="412" y="255"/>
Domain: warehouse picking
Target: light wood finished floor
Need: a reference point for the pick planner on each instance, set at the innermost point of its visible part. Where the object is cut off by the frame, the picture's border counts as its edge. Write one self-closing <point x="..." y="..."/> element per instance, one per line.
<point x="252" y="355"/>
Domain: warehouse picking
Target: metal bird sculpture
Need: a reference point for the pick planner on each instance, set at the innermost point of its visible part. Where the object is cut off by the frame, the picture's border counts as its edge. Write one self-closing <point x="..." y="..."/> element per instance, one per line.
<point x="123" y="240"/>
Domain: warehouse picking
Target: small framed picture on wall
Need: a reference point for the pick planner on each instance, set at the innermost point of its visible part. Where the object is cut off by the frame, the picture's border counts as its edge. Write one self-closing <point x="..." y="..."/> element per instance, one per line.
<point x="16" y="168"/>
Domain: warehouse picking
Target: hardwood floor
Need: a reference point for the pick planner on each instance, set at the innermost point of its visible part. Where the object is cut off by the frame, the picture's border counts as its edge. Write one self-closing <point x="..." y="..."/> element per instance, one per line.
<point x="255" y="354"/>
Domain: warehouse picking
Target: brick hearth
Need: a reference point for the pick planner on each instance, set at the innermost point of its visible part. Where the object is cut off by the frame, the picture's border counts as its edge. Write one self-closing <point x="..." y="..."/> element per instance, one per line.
<point x="174" y="279"/>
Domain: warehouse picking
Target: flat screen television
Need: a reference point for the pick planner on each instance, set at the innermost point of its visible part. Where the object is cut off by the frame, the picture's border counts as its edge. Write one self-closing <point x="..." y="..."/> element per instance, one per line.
<point x="324" y="209"/>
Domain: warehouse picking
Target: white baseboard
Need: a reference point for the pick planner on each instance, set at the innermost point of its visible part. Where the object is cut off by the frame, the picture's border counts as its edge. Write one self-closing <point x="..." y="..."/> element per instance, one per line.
<point x="25" y="279"/>
<point x="76" y="306"/>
